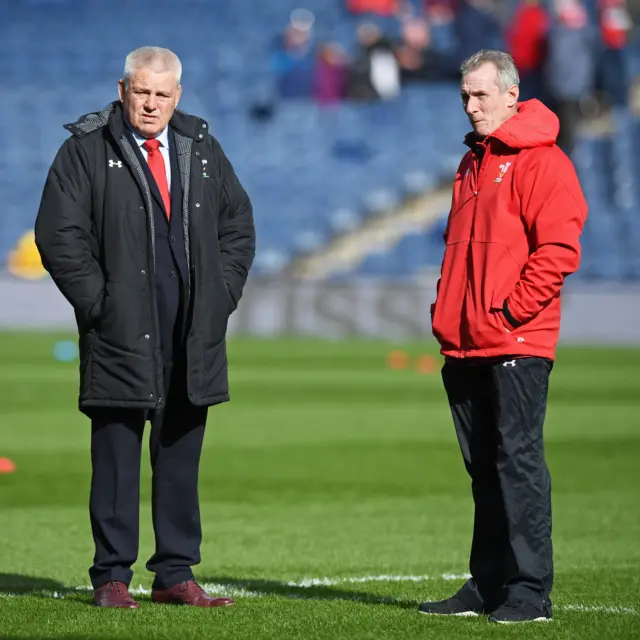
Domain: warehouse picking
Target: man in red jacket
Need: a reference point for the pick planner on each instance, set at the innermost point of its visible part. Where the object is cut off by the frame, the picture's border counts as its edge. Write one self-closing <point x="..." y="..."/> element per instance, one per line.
<point x="512" y="238"/>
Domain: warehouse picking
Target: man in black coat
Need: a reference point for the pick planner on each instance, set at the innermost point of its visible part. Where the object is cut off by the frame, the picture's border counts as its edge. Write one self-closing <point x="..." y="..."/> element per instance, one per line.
<point x="148" y="233"/>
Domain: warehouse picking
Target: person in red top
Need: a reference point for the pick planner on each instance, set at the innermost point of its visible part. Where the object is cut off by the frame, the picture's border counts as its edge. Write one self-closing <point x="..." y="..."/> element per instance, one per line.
<point x="526" y="38"/>
<point x="381" y="7"/>
<point x="525" y="35"/>
<point x="512" y="237"/>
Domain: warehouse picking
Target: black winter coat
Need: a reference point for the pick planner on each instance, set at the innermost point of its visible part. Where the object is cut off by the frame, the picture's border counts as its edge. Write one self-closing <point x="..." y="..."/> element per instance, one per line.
<point x="96" y="237"/>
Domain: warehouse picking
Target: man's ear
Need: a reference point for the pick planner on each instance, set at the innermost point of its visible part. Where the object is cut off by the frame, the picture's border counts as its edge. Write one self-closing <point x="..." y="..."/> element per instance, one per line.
<point x="121" y="90"/>
<point x="514" y="95"/>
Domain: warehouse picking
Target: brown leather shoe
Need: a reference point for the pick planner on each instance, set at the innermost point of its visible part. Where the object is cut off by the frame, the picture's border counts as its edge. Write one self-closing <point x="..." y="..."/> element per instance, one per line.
<point x="114" y="595"/>
<point x="189" y="593"/>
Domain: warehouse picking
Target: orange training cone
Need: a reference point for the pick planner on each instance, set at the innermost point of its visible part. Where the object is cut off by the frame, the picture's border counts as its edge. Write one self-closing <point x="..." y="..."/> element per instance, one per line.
<point x="397" y="360"/>
<point x="7" y="466"/>
<point x="426" y="364"/>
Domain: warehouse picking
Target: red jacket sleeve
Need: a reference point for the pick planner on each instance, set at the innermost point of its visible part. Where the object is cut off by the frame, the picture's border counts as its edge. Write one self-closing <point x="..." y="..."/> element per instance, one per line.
<point x="554" y="211"/>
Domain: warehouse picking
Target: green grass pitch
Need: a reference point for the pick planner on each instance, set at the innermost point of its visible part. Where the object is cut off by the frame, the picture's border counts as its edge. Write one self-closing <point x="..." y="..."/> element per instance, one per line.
<point x="333" y="499"/>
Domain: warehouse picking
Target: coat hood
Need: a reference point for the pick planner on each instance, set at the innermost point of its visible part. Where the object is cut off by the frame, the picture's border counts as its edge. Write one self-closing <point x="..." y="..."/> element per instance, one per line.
<point x="534" y="125"/>
<point x="188" y="125"/>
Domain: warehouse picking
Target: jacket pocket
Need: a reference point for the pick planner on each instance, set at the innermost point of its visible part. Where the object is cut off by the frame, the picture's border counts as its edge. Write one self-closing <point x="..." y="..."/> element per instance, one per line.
<point x="214" y="380"/>
<point x="495" y="273"/>
<point x="120" y="322"/>
<point x="86" y="365"/>
<point x="96" y="308"/>
<point x="231" y="305"/>
<point x="448" y="308"/>
<point x="118" y="374"/>
<point x="509" y="270"/>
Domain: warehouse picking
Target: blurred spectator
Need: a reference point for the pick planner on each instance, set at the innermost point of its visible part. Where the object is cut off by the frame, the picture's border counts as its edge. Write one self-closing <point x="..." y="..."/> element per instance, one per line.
<point x="418" y="60"/>
<point x="615" y="25"/>
<point x="569" y="70"/>
<point x="526" y="39"/>
<point x="436" y="5"/>
<point x="381" y="7"/>
<point x="331" y="73"/>
<point x="441" y="18"/>
<point x="477" y="27"/>
<point x="292" y="62"/>
<point x="375" y="74"/>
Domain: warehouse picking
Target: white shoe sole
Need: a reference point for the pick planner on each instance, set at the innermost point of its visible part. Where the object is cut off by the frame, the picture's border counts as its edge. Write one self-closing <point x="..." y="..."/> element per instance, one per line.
<point x="542" y="619"/>
<point x="464" y="614"/>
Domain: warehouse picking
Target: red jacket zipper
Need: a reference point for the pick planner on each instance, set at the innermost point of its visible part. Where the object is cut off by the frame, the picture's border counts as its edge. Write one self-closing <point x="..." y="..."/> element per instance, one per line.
<point x="479" y="169"/>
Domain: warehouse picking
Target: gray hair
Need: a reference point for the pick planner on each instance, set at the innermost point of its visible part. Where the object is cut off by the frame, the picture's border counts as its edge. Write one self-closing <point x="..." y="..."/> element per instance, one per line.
<point x="155" y="58"/>
<point x="505" y="66"/>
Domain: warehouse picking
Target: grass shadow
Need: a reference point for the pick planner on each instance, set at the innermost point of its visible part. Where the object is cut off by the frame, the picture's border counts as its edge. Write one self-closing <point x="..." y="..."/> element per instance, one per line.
<point x="20" y="585"/>
<point x="313" y="592"/>
<point x="15" y="584"/>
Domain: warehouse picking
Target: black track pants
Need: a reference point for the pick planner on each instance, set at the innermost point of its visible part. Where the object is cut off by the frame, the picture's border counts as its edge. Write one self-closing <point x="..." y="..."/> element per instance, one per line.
<point x="498" y="410"/>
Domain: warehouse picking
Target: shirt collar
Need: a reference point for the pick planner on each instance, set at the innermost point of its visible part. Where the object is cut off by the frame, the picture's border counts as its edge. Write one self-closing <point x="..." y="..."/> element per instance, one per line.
<point x="162" y="137"/>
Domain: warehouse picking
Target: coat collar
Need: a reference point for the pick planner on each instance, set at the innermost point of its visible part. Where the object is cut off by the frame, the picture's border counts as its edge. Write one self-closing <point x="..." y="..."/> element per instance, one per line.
<point x="186" y="125"/>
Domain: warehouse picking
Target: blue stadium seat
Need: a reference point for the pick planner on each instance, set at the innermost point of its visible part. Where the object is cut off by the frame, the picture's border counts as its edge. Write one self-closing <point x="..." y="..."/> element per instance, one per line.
<point x="312" y="172"/>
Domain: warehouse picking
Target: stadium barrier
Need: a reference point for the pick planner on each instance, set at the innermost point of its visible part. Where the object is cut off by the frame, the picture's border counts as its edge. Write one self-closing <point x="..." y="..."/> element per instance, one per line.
<point x="394" y="311"/>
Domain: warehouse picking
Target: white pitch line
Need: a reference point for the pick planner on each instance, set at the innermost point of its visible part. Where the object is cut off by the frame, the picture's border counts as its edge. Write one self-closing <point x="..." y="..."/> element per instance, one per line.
<point x="231" y="591"/>
<point x="217" y="589"/>
<point x="306" y="583"/>
<point x="585" y="608"/>
<point x="330" y="582"/>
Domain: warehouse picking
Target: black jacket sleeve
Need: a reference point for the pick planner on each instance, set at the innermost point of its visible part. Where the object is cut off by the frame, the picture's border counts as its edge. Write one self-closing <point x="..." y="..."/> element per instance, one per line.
<point x="236" y="231"/>
<point x="64" y="237"/>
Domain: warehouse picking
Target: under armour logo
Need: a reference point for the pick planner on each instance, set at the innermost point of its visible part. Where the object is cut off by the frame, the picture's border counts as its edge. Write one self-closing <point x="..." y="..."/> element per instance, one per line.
<point x="509" y="363"/>
<point x="115" y="163"/>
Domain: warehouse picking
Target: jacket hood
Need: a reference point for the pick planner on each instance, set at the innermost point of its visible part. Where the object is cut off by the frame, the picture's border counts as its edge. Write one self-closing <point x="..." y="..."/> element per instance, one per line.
<point x="534" y="125"/>
<point x="186" y="124"/>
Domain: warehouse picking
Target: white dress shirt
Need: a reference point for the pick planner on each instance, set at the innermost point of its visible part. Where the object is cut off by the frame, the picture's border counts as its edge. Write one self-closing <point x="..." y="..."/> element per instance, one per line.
<point x="163" y="139"/>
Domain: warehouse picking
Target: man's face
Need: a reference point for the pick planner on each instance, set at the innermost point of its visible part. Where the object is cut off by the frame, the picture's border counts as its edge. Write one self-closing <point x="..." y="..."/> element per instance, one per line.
<point x="149" y="100"/>
<point x="486" y="106"/>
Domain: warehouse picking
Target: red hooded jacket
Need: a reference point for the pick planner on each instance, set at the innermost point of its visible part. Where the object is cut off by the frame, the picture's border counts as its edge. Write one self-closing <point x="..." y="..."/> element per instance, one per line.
<point x="511" y="239"/>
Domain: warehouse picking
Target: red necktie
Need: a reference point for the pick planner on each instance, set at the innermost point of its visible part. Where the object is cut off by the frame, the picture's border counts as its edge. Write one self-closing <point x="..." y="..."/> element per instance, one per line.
<point x="156" y="164"/>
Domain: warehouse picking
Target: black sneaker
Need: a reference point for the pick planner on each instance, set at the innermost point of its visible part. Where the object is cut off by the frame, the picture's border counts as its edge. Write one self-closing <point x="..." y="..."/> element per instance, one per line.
<point x="452" y="606"/>
<point x="512" y="613"/>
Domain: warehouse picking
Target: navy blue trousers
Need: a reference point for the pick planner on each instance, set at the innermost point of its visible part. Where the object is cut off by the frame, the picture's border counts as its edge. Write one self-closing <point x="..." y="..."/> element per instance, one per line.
<point x="177" y="433"/>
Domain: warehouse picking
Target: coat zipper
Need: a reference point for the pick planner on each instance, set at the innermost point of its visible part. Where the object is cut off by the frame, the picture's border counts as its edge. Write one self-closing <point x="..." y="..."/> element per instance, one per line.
<point x="133" y="162"/>
<point x="147" y="194"/>
<point x="185" y="222"/>
<point x="478" y="172"/>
